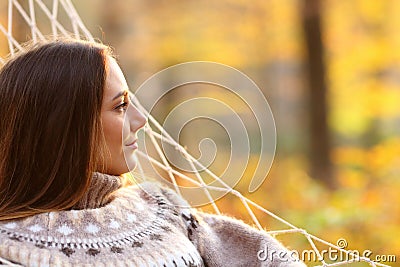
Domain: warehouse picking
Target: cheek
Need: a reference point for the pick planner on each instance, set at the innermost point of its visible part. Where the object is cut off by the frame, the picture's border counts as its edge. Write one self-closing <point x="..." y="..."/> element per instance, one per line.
<point x="113" y="132"/>
<point x="126" y="129"/>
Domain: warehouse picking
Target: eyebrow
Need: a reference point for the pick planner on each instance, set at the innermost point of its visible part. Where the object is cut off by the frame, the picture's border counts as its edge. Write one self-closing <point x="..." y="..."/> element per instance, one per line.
<point x="122" y="93"/>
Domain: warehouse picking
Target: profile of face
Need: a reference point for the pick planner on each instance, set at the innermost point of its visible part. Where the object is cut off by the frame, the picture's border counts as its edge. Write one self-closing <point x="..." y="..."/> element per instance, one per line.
<point x="121" y="121"/>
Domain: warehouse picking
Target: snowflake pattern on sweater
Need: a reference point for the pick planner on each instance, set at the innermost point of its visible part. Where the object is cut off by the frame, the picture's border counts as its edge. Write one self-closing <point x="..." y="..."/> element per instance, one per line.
<point x="135" y="229"/>
<point x="143" y="225"/>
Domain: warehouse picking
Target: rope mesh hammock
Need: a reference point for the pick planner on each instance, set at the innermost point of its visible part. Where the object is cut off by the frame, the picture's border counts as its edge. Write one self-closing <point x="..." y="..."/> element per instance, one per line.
<point x="28" y="10"/>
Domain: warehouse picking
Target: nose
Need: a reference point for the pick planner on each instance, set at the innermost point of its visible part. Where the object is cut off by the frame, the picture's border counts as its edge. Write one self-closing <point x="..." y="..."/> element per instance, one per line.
<point x="136" y="119"/>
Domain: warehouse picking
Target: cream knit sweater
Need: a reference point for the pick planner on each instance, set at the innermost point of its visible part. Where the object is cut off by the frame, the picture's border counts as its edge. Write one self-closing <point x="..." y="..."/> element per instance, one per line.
<point x="145" y="225"/>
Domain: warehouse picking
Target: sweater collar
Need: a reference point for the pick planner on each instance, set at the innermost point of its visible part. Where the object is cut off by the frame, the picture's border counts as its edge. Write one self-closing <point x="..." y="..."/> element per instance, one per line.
<point x="100" y="191"/>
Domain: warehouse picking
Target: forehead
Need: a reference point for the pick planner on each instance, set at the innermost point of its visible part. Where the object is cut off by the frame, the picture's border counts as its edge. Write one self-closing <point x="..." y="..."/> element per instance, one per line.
<point x="115" y="80"/>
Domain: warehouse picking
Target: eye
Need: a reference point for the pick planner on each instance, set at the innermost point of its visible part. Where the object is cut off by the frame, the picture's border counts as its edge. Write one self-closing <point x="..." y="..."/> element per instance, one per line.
<point x="122" y="107"/>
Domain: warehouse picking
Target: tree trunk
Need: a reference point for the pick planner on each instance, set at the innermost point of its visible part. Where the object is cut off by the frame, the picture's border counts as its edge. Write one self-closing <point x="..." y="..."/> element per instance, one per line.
<point x="320" y="145"/>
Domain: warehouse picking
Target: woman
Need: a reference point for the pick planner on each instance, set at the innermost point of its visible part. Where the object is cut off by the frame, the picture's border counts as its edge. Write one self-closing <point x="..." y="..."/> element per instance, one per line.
<point x="67" y="133"/>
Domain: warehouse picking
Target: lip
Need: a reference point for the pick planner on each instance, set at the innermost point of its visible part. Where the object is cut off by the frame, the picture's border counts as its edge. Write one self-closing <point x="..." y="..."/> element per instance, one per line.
<point x="132" y="144"/>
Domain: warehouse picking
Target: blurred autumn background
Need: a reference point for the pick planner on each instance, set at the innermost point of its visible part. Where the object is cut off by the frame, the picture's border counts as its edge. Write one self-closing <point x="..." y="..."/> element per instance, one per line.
<point x="330" y="71"/>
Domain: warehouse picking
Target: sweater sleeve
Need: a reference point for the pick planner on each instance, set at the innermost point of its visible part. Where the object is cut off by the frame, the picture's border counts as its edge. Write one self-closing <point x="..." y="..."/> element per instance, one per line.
<point x="224" y="241"/>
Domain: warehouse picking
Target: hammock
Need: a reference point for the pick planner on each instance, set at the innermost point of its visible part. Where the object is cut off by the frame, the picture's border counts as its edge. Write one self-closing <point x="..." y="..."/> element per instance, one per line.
<point x="154" y="134"/>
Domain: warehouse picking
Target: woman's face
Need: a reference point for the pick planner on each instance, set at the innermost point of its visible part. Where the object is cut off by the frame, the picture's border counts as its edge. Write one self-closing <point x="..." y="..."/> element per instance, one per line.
<point x="121" y="122"/>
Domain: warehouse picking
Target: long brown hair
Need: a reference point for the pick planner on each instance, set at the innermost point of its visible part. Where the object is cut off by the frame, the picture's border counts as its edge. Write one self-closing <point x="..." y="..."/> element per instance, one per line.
<point x="50" y="128"/>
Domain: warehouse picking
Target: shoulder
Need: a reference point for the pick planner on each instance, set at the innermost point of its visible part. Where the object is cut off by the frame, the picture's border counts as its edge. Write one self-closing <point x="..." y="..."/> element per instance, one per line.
<point x="139" y="219"/>
<point x="153" y="193"/>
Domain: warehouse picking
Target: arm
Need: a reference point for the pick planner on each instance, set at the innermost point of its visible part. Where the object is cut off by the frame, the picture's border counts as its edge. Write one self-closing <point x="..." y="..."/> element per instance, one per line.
<point x="224" y="241"/>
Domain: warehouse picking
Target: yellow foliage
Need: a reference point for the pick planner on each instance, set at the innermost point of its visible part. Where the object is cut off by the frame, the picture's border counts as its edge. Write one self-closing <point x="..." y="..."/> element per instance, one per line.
<point x="362" y="59"/>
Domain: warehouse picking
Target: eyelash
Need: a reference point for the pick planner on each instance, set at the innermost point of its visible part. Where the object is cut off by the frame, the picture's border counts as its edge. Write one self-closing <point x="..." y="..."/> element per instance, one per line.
<point x="123" y="105"/>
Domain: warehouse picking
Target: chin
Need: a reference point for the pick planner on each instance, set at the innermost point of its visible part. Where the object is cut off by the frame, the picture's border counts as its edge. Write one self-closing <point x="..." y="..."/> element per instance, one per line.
<point x="131" y="165"/>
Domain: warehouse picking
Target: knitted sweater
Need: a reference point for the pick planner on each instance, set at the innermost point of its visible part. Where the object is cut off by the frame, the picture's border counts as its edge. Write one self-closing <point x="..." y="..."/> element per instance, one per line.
<point x="142" y="225"/>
